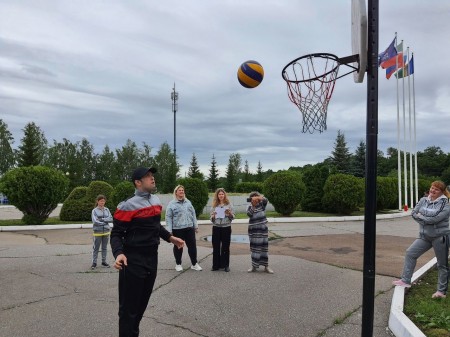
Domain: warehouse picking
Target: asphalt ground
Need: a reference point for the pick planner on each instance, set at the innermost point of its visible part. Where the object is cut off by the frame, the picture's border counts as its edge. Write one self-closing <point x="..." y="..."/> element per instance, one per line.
<point x="47" y="288"/>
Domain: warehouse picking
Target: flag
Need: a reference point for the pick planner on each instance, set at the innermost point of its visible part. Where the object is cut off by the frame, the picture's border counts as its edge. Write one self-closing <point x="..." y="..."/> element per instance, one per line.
<point x="407" y="70"/>
<point x="400" y="47"/>
<point x="393" y="61"/>
<point x="411" y="65"/>
<point x="390" y="52"/>
<point x="390" y="71"/>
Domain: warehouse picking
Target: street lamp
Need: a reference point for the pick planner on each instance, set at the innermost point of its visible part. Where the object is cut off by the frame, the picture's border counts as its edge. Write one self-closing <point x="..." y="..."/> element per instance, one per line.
<point x="174" y="97"/>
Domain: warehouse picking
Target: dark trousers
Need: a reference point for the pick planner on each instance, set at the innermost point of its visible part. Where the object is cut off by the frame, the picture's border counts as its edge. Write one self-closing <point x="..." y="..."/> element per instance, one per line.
<point x="188" y="235"/>
<point x="134" y="294"/>
<point x="221" y="237"/>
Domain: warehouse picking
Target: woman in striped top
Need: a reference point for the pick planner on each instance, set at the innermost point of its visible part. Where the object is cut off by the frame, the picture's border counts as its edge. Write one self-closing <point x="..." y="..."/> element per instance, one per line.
<point x="258" y="232"/>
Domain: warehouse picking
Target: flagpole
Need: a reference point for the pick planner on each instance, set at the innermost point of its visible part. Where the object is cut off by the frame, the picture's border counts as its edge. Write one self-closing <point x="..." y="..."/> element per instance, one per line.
<point x="399" y="161"/>
<point x="411" y="71"/>
<point x="405" y="174"/>
<point x="405" y="73"/>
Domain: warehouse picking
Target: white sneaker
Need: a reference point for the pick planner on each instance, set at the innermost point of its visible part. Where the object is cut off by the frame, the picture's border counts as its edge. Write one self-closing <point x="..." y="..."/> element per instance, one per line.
<point x="179" y="267"/>
<point x="197" y="267"/>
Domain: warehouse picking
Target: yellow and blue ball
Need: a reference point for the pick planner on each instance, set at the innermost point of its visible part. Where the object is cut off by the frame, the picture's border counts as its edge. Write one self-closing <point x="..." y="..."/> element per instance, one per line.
<point x="250" y="74"/>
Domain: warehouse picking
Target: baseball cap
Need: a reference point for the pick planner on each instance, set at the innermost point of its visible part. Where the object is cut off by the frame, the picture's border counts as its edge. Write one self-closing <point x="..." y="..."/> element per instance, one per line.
<point x="140" y="172"/>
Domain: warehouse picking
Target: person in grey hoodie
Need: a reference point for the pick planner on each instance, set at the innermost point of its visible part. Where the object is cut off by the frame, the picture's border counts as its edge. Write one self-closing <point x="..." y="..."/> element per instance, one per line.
<point x="431" y="213"/>
<point x="101" y="217"/>
<point x="181" y="221"/>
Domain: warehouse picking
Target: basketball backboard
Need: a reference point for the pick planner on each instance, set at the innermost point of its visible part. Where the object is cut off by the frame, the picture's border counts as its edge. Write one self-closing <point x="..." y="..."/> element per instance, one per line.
<point x="359" y="38"/>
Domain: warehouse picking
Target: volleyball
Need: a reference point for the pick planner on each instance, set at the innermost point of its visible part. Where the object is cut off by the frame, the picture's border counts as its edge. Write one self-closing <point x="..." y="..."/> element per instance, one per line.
<point x="250" y="74"/>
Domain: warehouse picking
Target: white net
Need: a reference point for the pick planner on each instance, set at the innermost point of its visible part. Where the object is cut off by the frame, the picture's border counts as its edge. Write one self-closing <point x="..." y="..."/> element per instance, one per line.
<point x="310" y="91"/>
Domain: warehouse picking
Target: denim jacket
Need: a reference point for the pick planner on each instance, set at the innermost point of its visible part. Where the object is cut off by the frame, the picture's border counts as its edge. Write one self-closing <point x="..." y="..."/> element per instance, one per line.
<point x="180" y="214"/>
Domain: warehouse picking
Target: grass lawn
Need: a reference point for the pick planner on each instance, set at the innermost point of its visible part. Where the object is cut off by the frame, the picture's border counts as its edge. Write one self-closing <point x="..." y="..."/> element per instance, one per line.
<point x="432" y="316"/>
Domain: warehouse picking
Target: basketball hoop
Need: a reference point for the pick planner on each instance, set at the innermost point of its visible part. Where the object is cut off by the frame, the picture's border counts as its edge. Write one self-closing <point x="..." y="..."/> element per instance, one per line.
<point x="310" y="80"/>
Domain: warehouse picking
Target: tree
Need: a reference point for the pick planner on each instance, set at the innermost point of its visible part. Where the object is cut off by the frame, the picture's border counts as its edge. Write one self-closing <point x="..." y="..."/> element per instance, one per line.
<point x="194" y="171"/>
<point x="314" y="178"/>
<point x="63" y="157"/>
<point x="104" y="169"/>
<point x="127" y="160"/>
<point x="233" y="171"/>
<point x="432" y="161"/>
<point x="196" y="191"/>
<point x="259" y="173"/>
<point x="168" y="168"/>
<point x="35" y="191"/>
<point x="389" y="163"/>
<point x="213" y="179"/>
<point x="359" y="161"/>
<point x="247" y="176"/>
<point x="33" y="146"/>
<point x="87" y="160"/>
<point x="340" y="156"/>
<point x="6" y="151"/>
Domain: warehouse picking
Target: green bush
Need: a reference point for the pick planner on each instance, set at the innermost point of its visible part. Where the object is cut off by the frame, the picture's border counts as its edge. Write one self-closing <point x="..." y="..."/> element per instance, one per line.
<point x="196" y="191"/>
<point x="343" y="194"/>
<point x="76" y="210"/>
<point x="314" y="179"/>
<point x="35" y="191"/>
<point x="247" y="187"/>
<point x="387" y="193"/>
<point x="78" y="193"/>
<point x="122" y="191"/>
<point x="424" y="186"/>
<point x="99" y="187"/>
<point x="80" y="202"/>
<point x="284" y="190"/>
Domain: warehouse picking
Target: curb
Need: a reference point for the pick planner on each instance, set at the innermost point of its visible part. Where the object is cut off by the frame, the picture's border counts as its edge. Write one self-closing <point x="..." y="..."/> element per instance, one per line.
<point x="207" y="222"/>
<point x="399" y="323"/>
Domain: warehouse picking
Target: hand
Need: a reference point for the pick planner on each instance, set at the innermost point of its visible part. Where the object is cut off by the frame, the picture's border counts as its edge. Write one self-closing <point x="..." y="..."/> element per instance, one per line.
<point x="255" y="200"/>
<point x="196" y="230"/>
<point x="177" y="242"/>
<point x="121" y="260"/>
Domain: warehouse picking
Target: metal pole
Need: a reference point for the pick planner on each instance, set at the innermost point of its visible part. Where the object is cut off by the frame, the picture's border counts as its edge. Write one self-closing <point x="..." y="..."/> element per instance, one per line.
<point x="371" y="171"/>
<point x="174" y="97"/>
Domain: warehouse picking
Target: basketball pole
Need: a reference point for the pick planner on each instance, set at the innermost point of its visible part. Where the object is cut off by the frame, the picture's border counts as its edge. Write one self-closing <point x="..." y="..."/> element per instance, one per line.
<point x="371" y="170"/>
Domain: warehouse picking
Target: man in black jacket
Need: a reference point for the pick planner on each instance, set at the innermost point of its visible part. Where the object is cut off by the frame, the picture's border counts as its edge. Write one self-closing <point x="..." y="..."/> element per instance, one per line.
<point x="134" y="242"/>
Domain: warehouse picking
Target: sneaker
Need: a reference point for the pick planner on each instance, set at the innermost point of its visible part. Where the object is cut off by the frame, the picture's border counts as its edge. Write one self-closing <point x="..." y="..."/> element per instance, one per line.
<point x="400" y="283"/>
<point x="197" y="267"/>
<point x="252" y="269"/>
<point x="179" y="267"/>
<point x="104" y="264"/>
<point x="268" y="270"/>
<point x="438" y="294"/>
<point x="94" y="265"/>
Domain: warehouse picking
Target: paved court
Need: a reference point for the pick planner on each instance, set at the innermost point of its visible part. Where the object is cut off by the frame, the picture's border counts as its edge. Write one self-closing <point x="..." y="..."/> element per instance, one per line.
<point x="47" y="288"/>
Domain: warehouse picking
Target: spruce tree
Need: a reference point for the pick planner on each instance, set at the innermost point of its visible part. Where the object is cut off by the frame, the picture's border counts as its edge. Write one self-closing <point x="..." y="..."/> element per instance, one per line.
<point x="194" y="170"/>
<point x="6" y="151"/>
<point x="213" y="179"/>
<point x="33" y="146"/>
<point x="247" y="176"/>
<point x="259" y="173"/>
<point x="359" y="161"/>
<point x="340" y="157"/>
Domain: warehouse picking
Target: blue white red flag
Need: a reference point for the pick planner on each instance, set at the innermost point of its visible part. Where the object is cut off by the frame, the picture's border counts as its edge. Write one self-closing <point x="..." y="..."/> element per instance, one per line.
<point x="389" y="53"/>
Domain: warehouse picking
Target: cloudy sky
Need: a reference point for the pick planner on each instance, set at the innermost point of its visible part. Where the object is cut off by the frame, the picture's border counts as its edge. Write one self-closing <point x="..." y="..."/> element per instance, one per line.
<point x="104" y="70"/>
